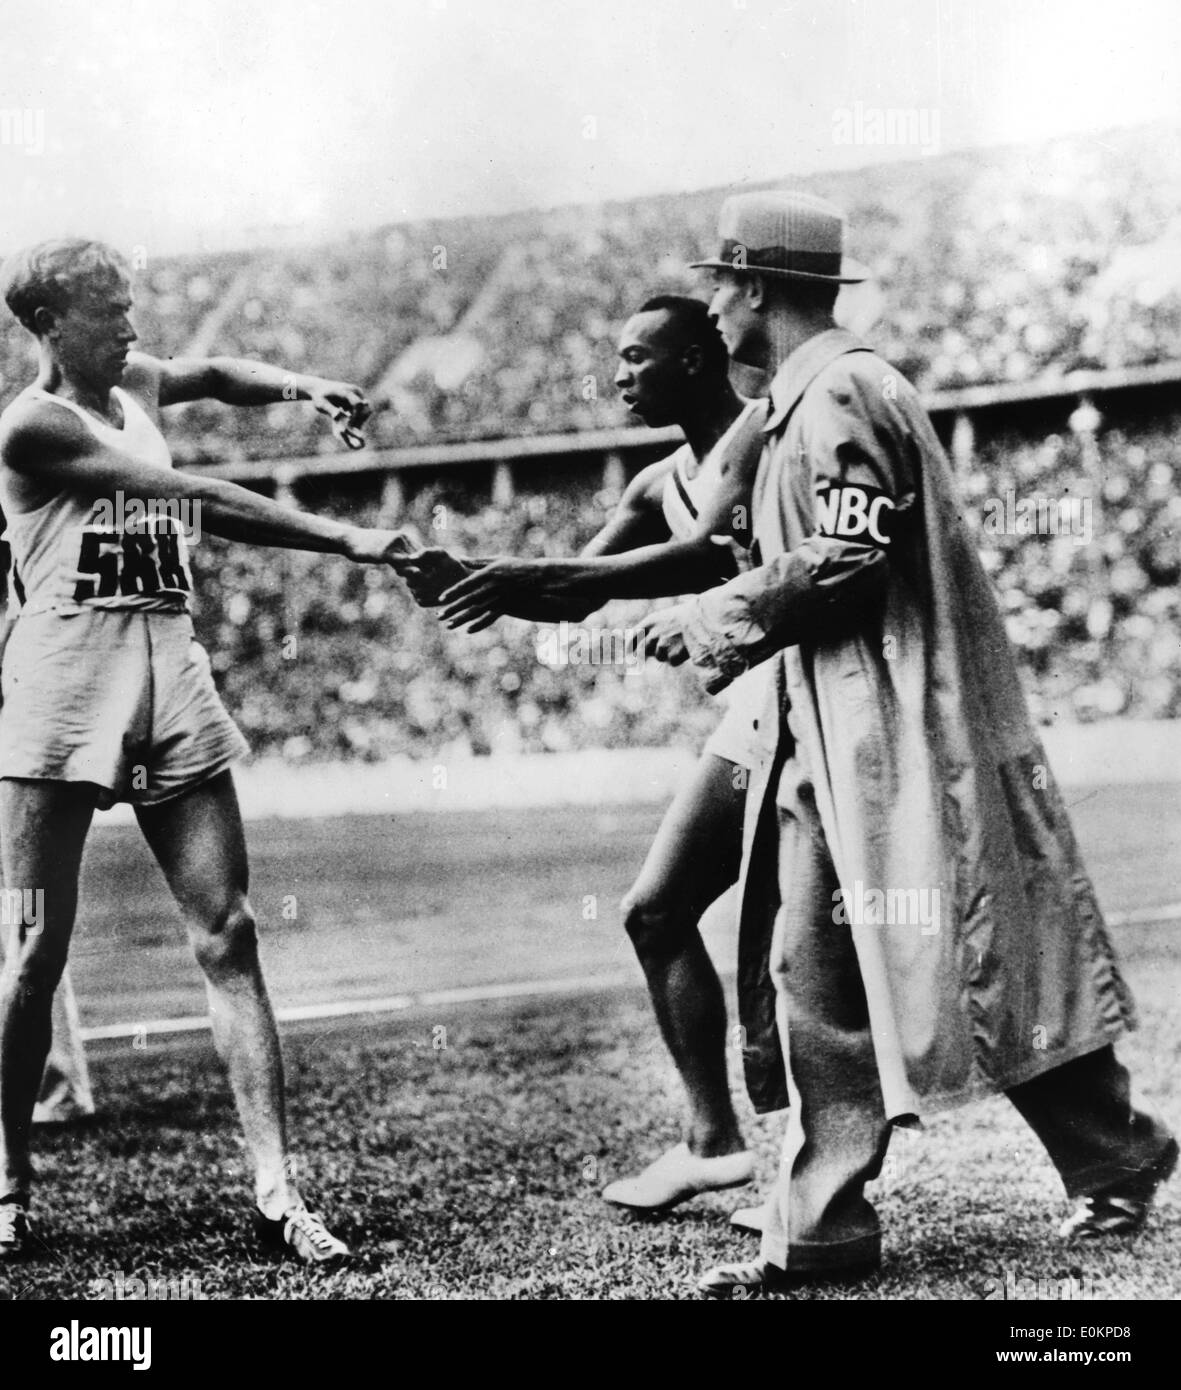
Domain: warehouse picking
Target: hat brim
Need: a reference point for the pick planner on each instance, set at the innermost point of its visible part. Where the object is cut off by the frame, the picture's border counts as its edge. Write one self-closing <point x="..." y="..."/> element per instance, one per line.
<point x="852" y="272"/>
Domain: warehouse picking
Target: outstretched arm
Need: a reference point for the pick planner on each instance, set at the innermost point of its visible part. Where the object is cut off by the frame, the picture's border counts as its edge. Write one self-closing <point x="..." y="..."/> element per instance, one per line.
<point x="641" y="570"/>
<point x="236" y="381"/>
<point x="52" y="447"/>
<point x="546" y="589"/>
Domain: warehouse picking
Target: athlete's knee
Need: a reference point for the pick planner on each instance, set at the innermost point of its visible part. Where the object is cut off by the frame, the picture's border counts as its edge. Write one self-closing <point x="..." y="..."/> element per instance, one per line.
<point x="655" y="923"/>
<point x="227" y="940"/>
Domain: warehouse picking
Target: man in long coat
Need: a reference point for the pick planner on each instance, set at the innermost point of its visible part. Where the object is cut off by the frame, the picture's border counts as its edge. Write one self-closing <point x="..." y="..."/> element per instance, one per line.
<point x="937" y="937"/>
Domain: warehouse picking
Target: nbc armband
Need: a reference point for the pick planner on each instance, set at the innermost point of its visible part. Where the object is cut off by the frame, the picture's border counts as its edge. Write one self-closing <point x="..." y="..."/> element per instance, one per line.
<point x="854" y="512"/>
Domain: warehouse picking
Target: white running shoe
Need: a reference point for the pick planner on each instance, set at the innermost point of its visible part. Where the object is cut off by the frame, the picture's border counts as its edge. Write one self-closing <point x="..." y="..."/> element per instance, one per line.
<point x="678" y="1175"/>
<point x="302" y="1234"/>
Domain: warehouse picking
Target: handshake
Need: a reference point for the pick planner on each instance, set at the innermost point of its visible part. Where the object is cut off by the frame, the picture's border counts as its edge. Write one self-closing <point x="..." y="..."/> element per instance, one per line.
<point x="434" y="577"/>
<point x="430" y="573"/>
<point x="472" y="593"/>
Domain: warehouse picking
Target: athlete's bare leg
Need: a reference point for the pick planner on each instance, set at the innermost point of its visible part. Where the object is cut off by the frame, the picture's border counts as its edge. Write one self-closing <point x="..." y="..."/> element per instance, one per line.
<point x="43" y="828"/>
<point x="65" y="1087"/>
<point x="693" y="860"/>
<point x="198" y="841"/>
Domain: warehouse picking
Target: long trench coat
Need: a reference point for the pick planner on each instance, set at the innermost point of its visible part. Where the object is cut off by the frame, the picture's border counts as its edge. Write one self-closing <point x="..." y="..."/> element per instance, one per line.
<point x="897" y="688"/>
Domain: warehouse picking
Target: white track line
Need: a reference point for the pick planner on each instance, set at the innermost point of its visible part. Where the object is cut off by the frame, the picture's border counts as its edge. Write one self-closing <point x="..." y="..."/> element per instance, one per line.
<point x="475" y="994"/>
<point x="357" y="1008"/>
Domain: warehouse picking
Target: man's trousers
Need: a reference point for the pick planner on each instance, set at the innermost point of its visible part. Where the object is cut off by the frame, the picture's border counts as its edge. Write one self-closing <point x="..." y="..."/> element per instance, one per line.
<point x="817" y="1215"/>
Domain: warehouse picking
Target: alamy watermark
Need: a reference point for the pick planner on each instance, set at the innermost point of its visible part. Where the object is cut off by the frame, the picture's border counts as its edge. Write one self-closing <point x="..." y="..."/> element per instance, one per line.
<point x="23" y="128"/>
<point x="131" y="1288"/>
<point x="887" y="907"/>
<point x="911" y="127"/>
<point x="22" y="907"/>
<point x="81" y="1342"/>
<point x="1039" y="515"/>
<point x="1013" y="1285"/>
<point x="571" y="644"/>
<point x="135" y="516"/>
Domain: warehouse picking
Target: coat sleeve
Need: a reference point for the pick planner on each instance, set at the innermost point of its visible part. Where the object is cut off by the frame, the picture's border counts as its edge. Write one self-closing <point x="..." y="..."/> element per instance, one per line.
<point x="858" y="488"/>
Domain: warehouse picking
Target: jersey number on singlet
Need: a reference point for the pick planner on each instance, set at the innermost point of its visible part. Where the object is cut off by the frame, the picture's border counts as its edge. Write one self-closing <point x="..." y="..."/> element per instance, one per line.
<point x="125" y="563"/>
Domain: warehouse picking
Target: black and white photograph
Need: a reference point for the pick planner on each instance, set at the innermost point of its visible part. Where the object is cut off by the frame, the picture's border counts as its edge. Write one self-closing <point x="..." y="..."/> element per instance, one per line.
<point x="591" y="662"/>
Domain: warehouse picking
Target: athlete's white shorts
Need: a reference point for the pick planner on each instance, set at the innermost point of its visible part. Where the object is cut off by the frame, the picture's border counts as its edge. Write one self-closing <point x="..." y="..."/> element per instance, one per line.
<point x="743" y="736"/>
<point x="121" y="698"/>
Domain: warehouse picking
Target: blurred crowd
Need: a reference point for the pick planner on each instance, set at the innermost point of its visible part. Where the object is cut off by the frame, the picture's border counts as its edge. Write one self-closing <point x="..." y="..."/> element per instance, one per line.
<point x="990" y="266"/>
<point x="1095" y="615"/>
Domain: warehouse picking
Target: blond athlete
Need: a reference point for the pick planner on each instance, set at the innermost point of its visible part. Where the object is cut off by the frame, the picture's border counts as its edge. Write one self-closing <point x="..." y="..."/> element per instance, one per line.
<point x="107" y="697"/>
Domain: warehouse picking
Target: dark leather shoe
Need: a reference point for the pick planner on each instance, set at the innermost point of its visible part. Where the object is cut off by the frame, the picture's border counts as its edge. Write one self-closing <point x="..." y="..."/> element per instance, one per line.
<point x="760" y="1277"/>
<point x="1122" y="1208"/>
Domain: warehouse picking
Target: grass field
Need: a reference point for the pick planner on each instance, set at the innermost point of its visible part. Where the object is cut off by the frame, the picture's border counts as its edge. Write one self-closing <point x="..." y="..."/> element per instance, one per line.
<point x="467" y="1162"/>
